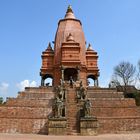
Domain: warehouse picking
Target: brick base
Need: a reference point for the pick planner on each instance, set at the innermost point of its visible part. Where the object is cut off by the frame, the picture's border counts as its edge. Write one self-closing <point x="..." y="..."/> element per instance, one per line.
<point x="29" y="112"/>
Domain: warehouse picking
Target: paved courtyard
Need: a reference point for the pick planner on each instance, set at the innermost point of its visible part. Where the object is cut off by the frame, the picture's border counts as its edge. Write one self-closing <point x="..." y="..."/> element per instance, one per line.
<point x="45" y="137"/>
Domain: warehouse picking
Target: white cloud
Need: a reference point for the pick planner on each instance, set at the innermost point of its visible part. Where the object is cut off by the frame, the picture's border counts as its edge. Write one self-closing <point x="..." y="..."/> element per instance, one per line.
<point x="4" y="88"/>
<point x="26" y="83"/>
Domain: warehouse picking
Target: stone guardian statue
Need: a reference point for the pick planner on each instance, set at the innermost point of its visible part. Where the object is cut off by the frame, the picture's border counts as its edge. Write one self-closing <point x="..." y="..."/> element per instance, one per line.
<point x="87" y="108"/>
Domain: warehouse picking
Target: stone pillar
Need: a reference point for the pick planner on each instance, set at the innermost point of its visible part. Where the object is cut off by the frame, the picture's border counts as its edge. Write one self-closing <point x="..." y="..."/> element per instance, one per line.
<point x="96" y="82"/>
<point x="42" y="81"/>
<point x="89" y="126"/>
<point x="57" y="126"/>
<point x="78" y="77"/>
<point x="62" y="73"/>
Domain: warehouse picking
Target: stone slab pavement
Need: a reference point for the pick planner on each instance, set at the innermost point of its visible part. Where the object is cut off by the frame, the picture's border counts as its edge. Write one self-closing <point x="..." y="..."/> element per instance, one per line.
<point x="5" y="136"/>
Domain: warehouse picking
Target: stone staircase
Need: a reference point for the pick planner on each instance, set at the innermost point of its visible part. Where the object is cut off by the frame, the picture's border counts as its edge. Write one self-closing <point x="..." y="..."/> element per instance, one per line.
<point x="104" y="93"/>
<point x="36" y="93"/>
<point x="72" y="112"/>
<point x="114" y="113"/>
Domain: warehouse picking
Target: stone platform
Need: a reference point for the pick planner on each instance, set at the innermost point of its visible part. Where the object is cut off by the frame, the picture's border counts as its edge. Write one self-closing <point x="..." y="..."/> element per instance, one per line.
<point x="5" y="136"/>
<point x="29" y="112"/>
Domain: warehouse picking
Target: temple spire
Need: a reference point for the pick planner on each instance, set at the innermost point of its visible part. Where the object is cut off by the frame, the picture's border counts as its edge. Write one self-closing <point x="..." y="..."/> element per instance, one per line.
<point x="89" y="47"/>
<point x="69" y="13"/>
<point x="49" y="48"/>
<point x="69" y="9"/>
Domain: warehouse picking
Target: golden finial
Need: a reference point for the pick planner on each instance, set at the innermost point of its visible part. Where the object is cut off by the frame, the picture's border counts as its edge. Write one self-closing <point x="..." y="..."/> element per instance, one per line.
<point x="69" y="9"/>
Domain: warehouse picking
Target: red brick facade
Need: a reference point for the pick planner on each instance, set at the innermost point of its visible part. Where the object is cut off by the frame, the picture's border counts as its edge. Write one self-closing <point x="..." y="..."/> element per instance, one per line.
<point x="70" y="53"/>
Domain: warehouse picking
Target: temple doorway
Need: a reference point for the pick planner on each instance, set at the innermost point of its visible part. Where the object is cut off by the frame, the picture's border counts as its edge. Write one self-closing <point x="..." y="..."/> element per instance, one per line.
<point x="70" y="72"/>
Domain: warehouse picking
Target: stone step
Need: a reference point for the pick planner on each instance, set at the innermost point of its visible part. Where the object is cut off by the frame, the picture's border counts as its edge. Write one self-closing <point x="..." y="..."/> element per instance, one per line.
<point x="71" y="99"/>
<point x="72" y="119"/>
<point x="73" y="115"/>
<point x="112" y="102"/>
<point x="72" y="129"/>
<point x="24" y="95"/>
<point x="24" y="112"/>
<point x="101" y="89"/>
<point x="73" y="133"/>
<point x="115" y="111"/>
<point x="17" y="102"/>
<point x="39" y="89"/>
<point x="106" y="92"/>
<point x="71" y="102"/>
<point x="70" y="123"/>
<point x="105" y="95"/>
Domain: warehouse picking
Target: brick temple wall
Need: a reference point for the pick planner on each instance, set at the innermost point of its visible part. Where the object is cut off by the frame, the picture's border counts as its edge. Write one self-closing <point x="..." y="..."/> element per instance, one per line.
<point x="28" y="113"/>
<point x="119" y="125"/>
<point x="22" y="125"/>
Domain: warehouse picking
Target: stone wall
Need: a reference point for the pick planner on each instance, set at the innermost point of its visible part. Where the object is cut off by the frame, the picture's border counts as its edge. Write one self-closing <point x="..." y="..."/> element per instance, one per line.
<point x="119" y="125"/>
<point x="29" y="102"/>
<point x="115" y="112"/>
<point x="22" y="125"/>
<point x="28" y="113"/>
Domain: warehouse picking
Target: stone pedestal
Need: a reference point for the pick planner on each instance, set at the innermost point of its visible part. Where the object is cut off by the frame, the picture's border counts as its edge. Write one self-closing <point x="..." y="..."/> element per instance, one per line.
<point x="89" y="126"/>
<point x="57" y="126"/>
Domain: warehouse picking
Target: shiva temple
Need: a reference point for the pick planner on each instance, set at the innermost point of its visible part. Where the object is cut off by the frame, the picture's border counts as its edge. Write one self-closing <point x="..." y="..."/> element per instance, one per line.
<point x="70" y="106"/>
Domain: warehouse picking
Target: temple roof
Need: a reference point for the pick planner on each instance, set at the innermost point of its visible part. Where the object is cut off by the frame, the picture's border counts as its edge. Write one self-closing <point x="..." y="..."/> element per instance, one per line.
<point x="69" y="31"/>
<point x="69" y="13"/>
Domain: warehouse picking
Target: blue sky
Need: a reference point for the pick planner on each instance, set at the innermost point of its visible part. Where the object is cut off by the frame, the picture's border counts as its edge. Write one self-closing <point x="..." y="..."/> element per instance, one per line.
<point x="26" y="27"/>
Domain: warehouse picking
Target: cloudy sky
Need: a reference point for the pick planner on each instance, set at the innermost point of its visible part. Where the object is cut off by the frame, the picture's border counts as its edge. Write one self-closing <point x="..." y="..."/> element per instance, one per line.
<point x="26" y="27"/>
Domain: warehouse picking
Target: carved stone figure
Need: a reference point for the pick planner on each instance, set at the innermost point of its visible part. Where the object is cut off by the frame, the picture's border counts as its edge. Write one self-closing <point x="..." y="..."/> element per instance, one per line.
<point x="60" y="92"/>
<point x="62" y="82"/>
<point x="81" y="92"/>
<point x="71" y="81"/>
<point x="87" y="108"/>
<point x="58" y="108"/>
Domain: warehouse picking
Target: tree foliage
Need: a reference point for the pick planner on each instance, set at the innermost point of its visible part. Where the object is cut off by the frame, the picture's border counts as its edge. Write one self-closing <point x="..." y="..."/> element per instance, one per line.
<point x="124" y="74"/>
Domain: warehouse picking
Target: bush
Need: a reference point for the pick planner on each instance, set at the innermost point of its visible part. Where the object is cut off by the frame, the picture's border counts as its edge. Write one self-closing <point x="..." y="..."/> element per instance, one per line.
<point x="135" y="95"/>
<point x="137" y="98"/>
<point x="1" y="100"/>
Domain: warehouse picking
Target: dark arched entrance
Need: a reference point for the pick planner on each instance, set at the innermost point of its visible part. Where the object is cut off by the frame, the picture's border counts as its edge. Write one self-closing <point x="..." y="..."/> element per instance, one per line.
<point x="68" y="72"/>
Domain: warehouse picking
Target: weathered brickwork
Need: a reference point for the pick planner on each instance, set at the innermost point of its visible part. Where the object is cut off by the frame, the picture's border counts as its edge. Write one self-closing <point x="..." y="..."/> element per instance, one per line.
<point x="114" y="115"/>
<point x="119" y="125"/>
<point x="22" y="125"/>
